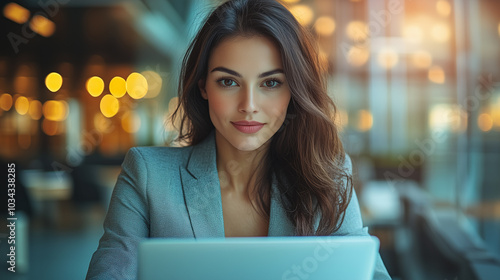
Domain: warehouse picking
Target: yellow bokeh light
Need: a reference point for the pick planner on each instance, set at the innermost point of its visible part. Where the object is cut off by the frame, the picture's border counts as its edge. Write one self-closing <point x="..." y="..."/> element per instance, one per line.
<point x="55" y="110"/>
<point x="436" y="75"/>
<point x="304" y="14"/>
<point x="95" y="86"/>
<point x="53" y="81"/>
<point x="35" y="109"/>
<point x="291" y="1"/>
<point x="421" y="59"/>
<point x="499" y="29"/>
<point x="16" y="13"/>
<point x="154" y="82"/>
<point x="413" y="33"/>
<point x="440" y="32"/>
<point x="118" y="87"/>
<point x="447" y="117"/>
<point x="387" y="58"/>
<point x="485" y="122"/>
<point x="325" y="26"/>
<point x="109" y="105"/>
<point x="495" y="114"/>
<point x="365" y="120"/>
<point x="137" y="85"/>
<point x="357" y="30"/>
<point x="6" y="101"/>
<point x="443" y="7"/>
<point x="131" y="122"/>
<point x="358" y="56"/>
<point x="42" y="25"/>
<point x="22" y="105"/>
<point x="50" y="127"/>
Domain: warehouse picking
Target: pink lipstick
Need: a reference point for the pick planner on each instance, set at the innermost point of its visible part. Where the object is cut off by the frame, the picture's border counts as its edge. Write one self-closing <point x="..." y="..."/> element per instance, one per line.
<point x="248" y="126"/>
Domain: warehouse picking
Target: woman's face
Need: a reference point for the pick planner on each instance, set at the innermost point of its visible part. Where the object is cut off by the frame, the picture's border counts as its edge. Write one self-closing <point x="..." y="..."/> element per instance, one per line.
<point x="247" y="91"/>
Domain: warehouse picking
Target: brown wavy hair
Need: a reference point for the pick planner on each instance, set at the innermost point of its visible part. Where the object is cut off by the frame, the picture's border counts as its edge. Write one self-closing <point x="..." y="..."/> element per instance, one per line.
<point x="306" y="155"/>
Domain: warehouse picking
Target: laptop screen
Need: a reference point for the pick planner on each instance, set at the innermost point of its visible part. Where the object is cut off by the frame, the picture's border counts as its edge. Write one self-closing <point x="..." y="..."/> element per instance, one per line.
<point x="287" y="258"/>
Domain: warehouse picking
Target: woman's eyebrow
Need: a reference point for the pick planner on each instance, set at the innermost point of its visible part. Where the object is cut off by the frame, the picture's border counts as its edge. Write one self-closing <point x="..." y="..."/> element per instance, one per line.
<point x="234" y="73"/>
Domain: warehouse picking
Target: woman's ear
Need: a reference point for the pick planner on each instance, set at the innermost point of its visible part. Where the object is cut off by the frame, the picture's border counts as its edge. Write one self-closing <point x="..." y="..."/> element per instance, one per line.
<point x="201" y="86"/>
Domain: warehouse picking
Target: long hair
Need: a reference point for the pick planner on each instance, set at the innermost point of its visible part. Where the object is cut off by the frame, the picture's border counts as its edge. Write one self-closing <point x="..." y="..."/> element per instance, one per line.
<point x="306" y="155"/>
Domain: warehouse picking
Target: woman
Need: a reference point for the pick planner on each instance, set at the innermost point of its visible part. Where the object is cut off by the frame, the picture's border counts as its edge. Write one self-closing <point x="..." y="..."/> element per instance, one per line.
<point x="264" y="156"/>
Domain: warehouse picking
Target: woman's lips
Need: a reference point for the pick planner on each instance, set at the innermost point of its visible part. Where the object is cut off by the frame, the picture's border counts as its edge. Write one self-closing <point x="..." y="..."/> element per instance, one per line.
<point x="248" y="126"/>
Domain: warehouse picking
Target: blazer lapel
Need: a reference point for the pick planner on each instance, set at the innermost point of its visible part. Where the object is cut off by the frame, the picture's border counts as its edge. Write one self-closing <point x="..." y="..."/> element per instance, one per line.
<point x="201" y="186"/>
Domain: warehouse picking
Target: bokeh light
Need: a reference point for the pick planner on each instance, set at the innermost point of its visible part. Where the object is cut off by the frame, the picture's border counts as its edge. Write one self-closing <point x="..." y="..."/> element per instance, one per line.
<point x="485" y="122"/>
<point x="365" y="120"/>
<point x="443" y="7"/>
<point x="154" y="82"/>
<point x="304" y="14"/>
<point x="357" y="30"/>
<point x="357" y="56"/>
<point x="436" y="75"/>
<point x="53" y="81"/>
<point x="95" y="86"/>
<point x="16" y="13"/>
<point x="440" y="32"/>
<point x="130" y="122"/>
<point x="421" y="59"/>
<point x="387" y="58"/>
<point x="35" y="109"/>
<point x="6" y="101"/>
<point x="495" y="113"/>
<point x="413" y="33"/>
<point x="137" y="85"/>
<point x="49" y="127"/>
<point x="109" y="105"/>
<point x="55" y="110"/>
<point x="325" y="26"/>
<point x="447" y="117"/>
<point x="118" y="87"/>
<point x="22" y="105"/>
<point x="42" y="25"/>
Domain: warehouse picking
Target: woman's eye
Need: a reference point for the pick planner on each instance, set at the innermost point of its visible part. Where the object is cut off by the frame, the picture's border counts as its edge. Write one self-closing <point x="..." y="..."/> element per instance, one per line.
<point x="226" y="82"/>
<point x="272" y="83"/>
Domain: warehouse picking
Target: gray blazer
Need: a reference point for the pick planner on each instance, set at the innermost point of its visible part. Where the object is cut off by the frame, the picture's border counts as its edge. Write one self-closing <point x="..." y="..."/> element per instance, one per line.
<point x="175" y="192"/>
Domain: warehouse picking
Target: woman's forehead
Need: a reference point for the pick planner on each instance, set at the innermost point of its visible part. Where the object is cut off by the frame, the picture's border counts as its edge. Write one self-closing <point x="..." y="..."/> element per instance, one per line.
<point x="246" y="54"/>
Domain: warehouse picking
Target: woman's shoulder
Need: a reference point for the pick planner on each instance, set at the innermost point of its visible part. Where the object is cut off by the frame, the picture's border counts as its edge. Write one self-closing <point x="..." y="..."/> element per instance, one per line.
<point x="156" y="156"/>
<point x="160" y="151"/>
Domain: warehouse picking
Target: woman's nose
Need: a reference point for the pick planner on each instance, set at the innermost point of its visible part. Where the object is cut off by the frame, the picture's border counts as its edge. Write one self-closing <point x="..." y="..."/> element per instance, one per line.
<point x="248" y="102"/>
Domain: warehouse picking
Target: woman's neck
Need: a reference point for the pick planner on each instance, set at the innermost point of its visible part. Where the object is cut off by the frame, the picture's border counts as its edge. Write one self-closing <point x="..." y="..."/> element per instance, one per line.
<point x="238" y="169"/>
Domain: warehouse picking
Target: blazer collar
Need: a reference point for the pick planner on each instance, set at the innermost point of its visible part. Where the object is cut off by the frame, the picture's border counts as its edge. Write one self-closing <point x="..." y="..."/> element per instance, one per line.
<point x="202" y="195"/>
<point x="200" y="183"/>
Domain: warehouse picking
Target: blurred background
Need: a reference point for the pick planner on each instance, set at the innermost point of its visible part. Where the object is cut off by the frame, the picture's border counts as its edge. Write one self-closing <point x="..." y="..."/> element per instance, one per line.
<point x="417" y="84"/>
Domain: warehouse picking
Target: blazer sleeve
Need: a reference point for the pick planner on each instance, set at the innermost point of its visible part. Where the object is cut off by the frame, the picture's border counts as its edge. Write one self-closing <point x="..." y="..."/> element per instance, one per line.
<point x="353" y="226"/>
<point x="126" y="223"/>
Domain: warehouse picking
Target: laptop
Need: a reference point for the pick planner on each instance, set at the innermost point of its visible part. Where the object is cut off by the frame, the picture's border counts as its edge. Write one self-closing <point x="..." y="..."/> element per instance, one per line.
<point x="259" y="258"/>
